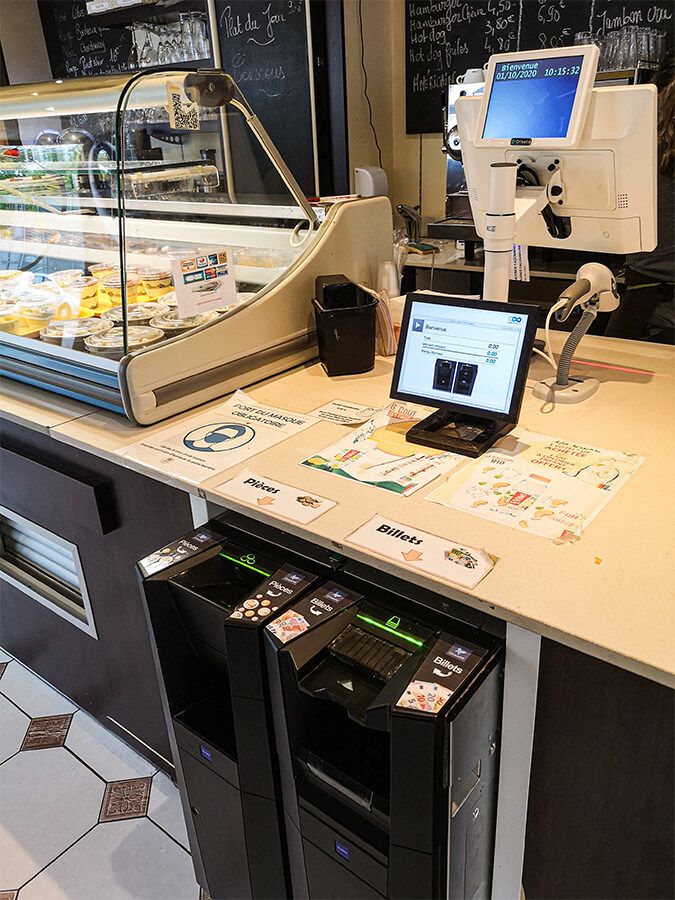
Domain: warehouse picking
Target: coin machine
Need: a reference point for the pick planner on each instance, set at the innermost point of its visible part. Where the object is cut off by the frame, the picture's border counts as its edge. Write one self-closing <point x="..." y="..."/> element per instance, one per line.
<point x="335" y="731"/>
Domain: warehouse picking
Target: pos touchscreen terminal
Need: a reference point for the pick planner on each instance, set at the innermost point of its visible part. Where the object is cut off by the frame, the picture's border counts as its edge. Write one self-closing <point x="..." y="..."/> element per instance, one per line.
<point x="469" y="359"/>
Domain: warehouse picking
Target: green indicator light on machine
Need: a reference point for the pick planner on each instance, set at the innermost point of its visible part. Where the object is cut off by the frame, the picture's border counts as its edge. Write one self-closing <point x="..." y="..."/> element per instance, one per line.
<point x="243" y="562"/>
<point x="394" y="622"/>
<point x="392" y="630"/>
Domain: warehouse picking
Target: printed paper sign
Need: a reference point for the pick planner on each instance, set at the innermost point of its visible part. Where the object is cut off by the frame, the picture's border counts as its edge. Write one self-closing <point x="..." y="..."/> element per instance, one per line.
<point x="214" y="441"/>
<point x="442" y="557"/>
<point x="204" y="280"/>
<point x="342" y="412"/>
<point x="378" y="454"/>
<point x="279" y="499"/>
<point x="520" y="263"/>
<point x="183" y="112"/>
<point x="539" y="484"/>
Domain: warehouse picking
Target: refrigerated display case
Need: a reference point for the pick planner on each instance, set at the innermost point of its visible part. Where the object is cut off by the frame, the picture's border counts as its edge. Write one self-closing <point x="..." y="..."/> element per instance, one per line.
<point x="155" y="250"/>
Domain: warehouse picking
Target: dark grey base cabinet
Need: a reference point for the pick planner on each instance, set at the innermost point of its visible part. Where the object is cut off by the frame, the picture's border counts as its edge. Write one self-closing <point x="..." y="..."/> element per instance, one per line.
<point x="113" y="517"/>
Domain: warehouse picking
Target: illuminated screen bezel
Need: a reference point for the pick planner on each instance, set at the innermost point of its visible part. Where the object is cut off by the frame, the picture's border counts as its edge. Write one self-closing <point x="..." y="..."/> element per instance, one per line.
<point x="589" y="64"/>
<point x="511" y="415"/>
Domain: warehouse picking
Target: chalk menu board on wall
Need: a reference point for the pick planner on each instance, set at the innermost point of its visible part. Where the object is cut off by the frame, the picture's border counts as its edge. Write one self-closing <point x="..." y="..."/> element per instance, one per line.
<point x="79" y="44"/>
<point x="444" y="38"/>
<point x="264" y="46"/>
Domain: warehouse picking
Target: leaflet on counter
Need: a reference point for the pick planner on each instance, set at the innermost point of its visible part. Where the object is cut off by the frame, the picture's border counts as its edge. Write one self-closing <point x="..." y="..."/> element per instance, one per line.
<point x="214" y="441"/>
<point x="377" y="454"/>
<point x="540" y="484"/>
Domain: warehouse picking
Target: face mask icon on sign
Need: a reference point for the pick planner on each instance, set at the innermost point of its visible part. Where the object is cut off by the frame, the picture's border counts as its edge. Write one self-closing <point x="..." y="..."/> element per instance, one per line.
<point x="219" y="437"/>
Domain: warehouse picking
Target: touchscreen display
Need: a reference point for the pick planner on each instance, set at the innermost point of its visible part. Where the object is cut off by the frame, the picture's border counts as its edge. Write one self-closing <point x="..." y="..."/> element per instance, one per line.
<point x="462" y="355"/>
<point x="532" y="98"/>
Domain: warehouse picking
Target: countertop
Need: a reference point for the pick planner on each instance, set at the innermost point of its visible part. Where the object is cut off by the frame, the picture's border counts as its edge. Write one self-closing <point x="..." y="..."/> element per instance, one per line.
<point x="609" y="595"/>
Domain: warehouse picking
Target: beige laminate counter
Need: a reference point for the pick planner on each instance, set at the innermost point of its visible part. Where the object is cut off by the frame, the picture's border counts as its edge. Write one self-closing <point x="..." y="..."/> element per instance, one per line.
<point x="610" y="594"/>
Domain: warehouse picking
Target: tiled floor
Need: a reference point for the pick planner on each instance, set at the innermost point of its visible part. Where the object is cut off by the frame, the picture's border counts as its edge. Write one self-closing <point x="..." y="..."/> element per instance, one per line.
<point x="82" y="816"/>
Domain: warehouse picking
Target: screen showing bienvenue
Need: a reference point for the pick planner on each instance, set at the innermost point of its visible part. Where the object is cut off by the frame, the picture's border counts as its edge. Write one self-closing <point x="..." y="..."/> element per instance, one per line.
<point x="532" y="98"/>
<point x="461" y="355"/>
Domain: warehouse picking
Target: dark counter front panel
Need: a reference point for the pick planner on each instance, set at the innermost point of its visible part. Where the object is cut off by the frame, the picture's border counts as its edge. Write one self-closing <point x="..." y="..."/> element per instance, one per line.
<point x="114" y="517"/>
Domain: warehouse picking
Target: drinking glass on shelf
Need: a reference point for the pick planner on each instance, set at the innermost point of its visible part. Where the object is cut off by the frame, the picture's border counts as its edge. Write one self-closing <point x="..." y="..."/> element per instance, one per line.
<point x="199" y="38"/>
<point x="133" y="61"/>
<point x="186" y="38"/>
<point x="148" y="53"/>
<point x="164" y="46"/>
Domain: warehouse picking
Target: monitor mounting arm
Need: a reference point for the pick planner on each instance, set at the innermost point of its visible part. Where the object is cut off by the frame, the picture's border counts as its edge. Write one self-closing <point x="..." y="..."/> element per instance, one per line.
<point x="508" y="205"/>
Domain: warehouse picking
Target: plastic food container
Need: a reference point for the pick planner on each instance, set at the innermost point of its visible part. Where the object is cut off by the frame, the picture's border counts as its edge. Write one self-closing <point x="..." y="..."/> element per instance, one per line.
<point x="137" y="313"/>
<point x="102" y="270"/>
<point x="85" y="289"/>
<point x="171" y="323"/>
<point x="157" y="282"/>
<point x="111" y="343"/>
<point x="9" y="318"/>
<point x="112" y="285"/>
<point x="170" y="299"/>
<point x="72" y="332"/>
<point x="13" y="278"/>
<point x="64" y="277"/>
<point x="39" y="311"/>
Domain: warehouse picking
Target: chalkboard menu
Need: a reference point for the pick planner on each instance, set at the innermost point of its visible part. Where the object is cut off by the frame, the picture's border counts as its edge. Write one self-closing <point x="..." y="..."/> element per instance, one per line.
<point x="444" y="38"/>
<point x="79" y="44"/>
<point x="264" y="46"/>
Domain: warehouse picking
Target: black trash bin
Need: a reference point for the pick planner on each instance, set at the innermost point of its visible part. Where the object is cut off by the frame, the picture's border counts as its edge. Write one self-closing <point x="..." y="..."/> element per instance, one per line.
<point x="346" y="318"/>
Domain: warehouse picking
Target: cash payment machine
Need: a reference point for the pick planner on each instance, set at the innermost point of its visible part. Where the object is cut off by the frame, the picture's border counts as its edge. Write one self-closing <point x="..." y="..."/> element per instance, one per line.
<point x="335" y="730"/>
<point x="387" y="718"/>
<point x="208" y="596"/>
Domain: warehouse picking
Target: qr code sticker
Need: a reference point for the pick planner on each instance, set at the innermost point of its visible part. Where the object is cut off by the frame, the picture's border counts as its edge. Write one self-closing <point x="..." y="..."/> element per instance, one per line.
<point x="183" y="113"/>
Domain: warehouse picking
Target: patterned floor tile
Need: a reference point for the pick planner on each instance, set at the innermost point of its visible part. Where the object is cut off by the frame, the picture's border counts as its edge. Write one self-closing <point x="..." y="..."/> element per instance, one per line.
<point x="104" y="752"/>
<point x="46" y="732"/>
<point x="130" y="860"/>
<point x="13" y="727"/>
<point x="47" y="801"/>
<point x="165" y="808"/>
<point x="4" y="656"/>
<point x="125" y="799"/>
<point x="8" y="895"/>
<point x="3" y="666"/>
<point x="32" y="695"/>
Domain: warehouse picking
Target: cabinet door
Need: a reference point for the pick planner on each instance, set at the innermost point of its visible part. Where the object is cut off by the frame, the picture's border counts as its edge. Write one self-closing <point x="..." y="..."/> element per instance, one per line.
<point x="108" y="518"/>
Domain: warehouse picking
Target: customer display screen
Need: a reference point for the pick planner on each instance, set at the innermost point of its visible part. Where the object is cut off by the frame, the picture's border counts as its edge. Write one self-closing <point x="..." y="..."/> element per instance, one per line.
<point x="532" y="98"/>
<point x="462" y="355"/>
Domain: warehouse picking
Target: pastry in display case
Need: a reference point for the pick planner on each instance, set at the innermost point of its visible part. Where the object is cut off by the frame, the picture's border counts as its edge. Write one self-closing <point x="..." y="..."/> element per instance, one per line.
<point x="155" y="250"/>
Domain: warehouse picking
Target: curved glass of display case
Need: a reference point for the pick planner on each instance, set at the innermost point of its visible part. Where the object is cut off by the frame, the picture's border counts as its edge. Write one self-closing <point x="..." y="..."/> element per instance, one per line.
<point x="155" y="250"/>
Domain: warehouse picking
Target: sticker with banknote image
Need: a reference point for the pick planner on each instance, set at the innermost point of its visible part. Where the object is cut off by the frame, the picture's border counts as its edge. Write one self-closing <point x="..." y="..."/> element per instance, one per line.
<point x="424" y="696"/>
<point x="288" y="626"/>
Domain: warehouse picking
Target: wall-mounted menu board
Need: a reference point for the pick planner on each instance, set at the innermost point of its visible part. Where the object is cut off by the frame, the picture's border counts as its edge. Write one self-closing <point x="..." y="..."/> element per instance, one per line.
<point x="80" y="44"/>
<point x="444" y="38"/>
<point x="264" y="46"/>
<point x="86" y="43"/>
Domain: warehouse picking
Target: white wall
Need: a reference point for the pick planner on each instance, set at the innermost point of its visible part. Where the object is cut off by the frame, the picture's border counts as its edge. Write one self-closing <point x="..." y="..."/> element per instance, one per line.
<point x="384" y="41"/>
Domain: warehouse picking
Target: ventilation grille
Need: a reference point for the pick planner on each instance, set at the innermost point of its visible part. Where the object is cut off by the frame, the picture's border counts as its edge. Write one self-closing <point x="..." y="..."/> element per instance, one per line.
<point x="622" y="201"/>
<point x="43" y="566"/>
<point x="474" y="194"/>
